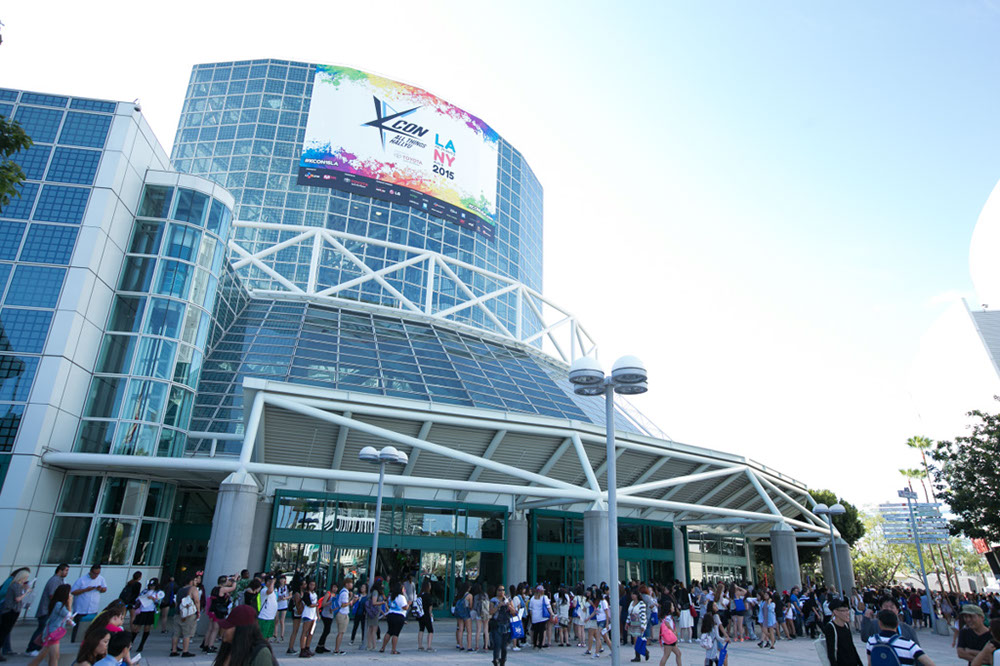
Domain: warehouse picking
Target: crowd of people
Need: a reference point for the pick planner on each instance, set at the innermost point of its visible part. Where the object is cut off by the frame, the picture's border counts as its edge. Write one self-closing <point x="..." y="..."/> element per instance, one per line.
<point x="248" y="616"/>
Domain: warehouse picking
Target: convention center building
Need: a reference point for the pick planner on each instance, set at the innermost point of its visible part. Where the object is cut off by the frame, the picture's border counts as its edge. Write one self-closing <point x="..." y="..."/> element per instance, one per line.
<point x="195" y="348"/>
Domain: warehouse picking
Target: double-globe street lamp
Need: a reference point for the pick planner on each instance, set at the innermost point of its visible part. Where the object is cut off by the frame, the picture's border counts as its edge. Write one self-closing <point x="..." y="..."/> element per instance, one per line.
<point x="389" y="454"/>
<point x="628" y="377"/>
<point x="828" y="512"/>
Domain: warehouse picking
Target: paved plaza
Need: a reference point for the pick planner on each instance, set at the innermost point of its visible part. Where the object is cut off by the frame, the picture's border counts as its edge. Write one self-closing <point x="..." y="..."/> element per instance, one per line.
<point x="800" y="652"/>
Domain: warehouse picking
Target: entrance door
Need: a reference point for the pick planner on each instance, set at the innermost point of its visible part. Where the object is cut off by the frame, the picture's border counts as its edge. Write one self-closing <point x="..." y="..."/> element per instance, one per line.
<point x="395" y="564"/>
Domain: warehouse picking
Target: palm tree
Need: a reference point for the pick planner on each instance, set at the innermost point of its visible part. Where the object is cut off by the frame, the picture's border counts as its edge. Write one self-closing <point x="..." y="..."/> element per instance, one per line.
<point x="921" y="443"/>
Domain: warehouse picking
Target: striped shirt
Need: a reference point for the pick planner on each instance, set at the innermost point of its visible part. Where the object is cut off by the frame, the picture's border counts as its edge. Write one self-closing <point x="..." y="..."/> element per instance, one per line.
<point x="907" y="651"/>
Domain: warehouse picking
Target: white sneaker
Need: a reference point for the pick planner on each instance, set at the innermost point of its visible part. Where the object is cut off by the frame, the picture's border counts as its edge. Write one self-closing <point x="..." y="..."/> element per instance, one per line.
<point x="33" y="653"/>
<point x="515" y="649"/>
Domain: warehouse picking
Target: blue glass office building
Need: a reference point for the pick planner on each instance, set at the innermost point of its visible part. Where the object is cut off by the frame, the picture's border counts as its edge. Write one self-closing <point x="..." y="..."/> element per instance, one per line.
<point x="196" y="349"/>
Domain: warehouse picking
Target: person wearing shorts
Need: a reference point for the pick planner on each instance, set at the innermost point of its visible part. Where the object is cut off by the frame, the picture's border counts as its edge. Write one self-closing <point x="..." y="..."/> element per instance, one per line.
<point x="146" y="604"/>
<point x="396" y="617"/>
<point x="268" y="609"/>
<point x="343" y="612"/>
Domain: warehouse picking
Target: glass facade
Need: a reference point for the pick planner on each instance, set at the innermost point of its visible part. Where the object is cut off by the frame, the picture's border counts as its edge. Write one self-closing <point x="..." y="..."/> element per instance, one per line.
<point x="38" y="233"/>
<point x="555" y="548"/>
<point x="142" y="393"/>
<point x="329" y="537"/>
<point x="243" y="125"/>
<point x="717" y="557"/>
<point x="110" y="520"/>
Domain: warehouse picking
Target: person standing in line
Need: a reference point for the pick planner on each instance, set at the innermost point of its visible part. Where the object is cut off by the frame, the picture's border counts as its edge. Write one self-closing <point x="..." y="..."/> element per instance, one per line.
<point x="284" y="595"/>
<point x="667" y="633"/>
<point x="636" y="623"/>
<point x="10" y="606"/>
<point x="538" y="604"/>
<point x="478" y="616"/>
<point x="839" y="643"/>
<point x="146" y="604"/>
<point x="297" y="587"/>
<point x="35" y="643"/>
<point x="345" y="600"/>
<point x="360" y="614"/>
<point x="396" y="617"/>
<point x="375" y="608"/>
<point x="907" y="652"/>
<point x="463" y="619"/>
<point x="59" y="616"/>
<point x="217" y="608"/>
<point x="326" y="612"/>
<point x="975" y="635"/>
<point x="424" y="605"/>
<point x="268" y="608"/>
<point x="501" y="612"/>
<point x="409" y="590"/>
<point x="130" y="593"/>
<point x="309" y="601"/>
<point x="188" y="612"/>
<point x="87" y="591"/>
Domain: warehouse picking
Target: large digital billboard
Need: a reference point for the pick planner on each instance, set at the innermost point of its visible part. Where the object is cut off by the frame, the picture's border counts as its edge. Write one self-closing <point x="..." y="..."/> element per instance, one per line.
<point x="395" y="142"/>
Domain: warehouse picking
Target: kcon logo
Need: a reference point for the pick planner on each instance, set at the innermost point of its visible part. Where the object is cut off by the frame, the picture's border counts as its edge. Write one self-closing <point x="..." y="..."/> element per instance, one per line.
<point x="389" y="120"/>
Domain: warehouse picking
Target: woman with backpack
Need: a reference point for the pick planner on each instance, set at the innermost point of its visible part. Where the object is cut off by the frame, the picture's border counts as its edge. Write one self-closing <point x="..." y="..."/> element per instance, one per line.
<point x="667" y="633"/>
<point x="424" y="607"/>
<point x="578" y="613"/>
<point x="309" y="601"/>
<point x="358" y="611"/>
<point x="636" y="623"/>
<point x="298" y="585"/>
<point x="218" y="609"/>
<point x="478" y="616"/>
<point x="463" y="619"/>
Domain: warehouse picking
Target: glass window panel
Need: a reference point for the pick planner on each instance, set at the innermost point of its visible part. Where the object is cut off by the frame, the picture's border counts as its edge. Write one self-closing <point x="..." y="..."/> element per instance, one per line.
<point x="127" y="314"/>
<point x="49" y="244"/>
<point x="189" y="331"/>
<point x="191" y="206"/>
<point x="9" y="424"/>
<point x="137" y="274"/>
<point x="79" y="494"/>
<point x="144" y="401"/>
<point x="112" y="541"/>
<point x="206" y="251"/>
<point x="85" y="129"/>
<point x="10" y="239"/>
<point x="72" y="165"/>
<point x="174" y="278"/>
<point x="16" y="375"/>
<point x="40" y="124"/>
<point x="149" y="545"/>
<point x="155" y="358"/>
<point x="68" y="539"/>
<point x="181" y="242"/>
<point x="549" y="529"/>
<point x="116" y="354"/>
<point x="426" y="521"/>
<point x="293" y="557"/>
<point x="629" y="536"/>
<point x="156" y="201"/>
<point x="485" y="525"/>
<point x="95" y="436"/>
<point x="105" y="397"/>
<point x="146" y="237"/>
<point x="661" y="537"/>
<point x="358" y="517"/>
<point x="172" y="443"/>
<point x="23" y="330"/>
<point x="436" y="568"/>
<point x="33" y="160"/>
<point x="36" y="286"/>
<point x="159" y="500"/>
<point x="121" y="496"/>
<point x="165" y="317"/>
<point x="179" y="408"/>
<point x="59" y="203"/>
<point x="299" y="513"/>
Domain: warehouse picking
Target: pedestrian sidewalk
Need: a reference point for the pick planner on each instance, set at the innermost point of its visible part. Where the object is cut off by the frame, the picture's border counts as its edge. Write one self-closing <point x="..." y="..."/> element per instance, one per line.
<point x="799" y="652"/>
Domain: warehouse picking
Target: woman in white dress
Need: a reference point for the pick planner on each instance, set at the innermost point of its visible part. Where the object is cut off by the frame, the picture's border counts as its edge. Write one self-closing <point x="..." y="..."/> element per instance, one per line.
<point x="685" y="621"/>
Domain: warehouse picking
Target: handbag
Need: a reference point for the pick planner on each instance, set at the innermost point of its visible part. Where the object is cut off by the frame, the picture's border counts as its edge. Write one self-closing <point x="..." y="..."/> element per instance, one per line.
<point x="516" y="628"/>
<point x="640" y="646"/>
<point x="667" y="635"/>
<point x="545" y="609"/>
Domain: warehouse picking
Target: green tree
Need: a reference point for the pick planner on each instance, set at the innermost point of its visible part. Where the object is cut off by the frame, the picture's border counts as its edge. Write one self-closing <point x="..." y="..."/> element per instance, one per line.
<point x="849" y="524"/>
<point x="967" y="478"/>
<point x="12" y="140"/>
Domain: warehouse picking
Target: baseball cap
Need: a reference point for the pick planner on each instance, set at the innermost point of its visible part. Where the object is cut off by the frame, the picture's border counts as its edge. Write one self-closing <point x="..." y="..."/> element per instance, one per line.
<point x="972" y="609"/>
<point x="241" y="616"/>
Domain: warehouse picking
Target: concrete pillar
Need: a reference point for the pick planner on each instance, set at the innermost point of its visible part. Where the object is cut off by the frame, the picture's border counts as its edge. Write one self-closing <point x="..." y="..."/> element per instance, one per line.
<point x="517" y="550"/>
<point x="595" y="548"/>
<point x="785" y="557"/>
<point x="680" y="556"/>
<point x="232" y="527"/>
<point x="829" y="578"/>
<point x="846" y="566"/>
<point x="261" y="535"/>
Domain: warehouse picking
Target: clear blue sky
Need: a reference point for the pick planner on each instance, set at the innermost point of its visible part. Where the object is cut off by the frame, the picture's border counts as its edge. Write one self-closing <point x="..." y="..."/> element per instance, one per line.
<point x="781" y="194"/>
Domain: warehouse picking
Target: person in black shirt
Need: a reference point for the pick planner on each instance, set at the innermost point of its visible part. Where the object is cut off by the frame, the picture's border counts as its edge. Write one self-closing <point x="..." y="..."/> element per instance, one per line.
<point x="975" y="635"/>
<point x="839" y="644"/>
<point x="426" y="620"/>
<point x="501" y="611"/>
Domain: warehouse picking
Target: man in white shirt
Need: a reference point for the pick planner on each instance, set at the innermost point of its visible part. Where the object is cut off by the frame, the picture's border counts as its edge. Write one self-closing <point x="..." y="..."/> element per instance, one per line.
<point x="268" y="608"/>
<point x="87" y="591"/>
<point x="344" y="601"/>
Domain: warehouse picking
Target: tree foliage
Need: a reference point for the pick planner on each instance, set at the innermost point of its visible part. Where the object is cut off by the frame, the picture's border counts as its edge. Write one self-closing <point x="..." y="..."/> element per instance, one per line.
<point x="12" y="140"/>
<point x="849" y="524"/>
<point x="967" y="478"/>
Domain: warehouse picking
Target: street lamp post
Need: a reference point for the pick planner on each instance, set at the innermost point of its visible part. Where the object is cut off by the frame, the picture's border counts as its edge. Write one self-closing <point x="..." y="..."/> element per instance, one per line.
<point x="628" y="377"/>
<point x="389" y="454"/>
<point x="828" y="513"/>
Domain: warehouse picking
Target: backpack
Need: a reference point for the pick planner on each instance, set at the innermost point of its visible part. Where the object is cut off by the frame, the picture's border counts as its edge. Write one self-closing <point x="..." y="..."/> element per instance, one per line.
<point x="882" y="653"/>
<point x="418" y="607"/>
<point x="371" y="609"/>
<point x="461" y="610"/>
<point x="740" y="605"/>
<point x="707" y="641"/>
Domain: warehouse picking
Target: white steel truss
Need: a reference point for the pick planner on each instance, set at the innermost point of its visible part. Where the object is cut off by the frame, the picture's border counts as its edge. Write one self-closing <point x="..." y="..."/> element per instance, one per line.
<point x="446" y="296"/>
<point x="553" y="481"/>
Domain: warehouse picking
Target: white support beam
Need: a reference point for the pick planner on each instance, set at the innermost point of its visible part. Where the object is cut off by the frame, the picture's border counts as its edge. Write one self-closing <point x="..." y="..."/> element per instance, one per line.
<point x="338" y="451"/>
<point x="716" y="490"/>
<point x="411" y="463"/>
<point x="653" y="469"/>
<point x="813" y="518"/>
<point x="581" y="453"/>
<point x="488" y="455"/>
<point x="252" y="429"/>
<point x="603" y="467"/>
<point x="772" y="507"/>
<point x="677" y="481"/>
